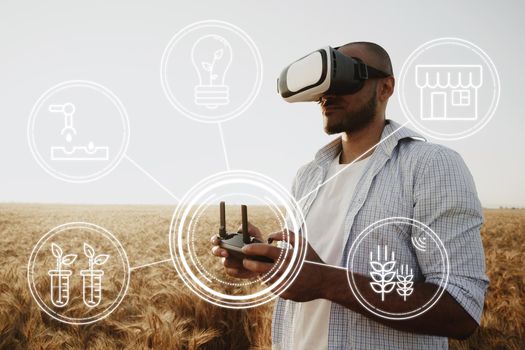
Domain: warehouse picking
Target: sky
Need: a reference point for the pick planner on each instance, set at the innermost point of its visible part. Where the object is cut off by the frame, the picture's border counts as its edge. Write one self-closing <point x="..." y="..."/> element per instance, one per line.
<point x="119" y="44"/>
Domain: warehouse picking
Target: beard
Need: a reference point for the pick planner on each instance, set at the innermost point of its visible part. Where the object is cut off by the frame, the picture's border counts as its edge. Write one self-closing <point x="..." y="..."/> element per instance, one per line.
<point x="348" y="121"/>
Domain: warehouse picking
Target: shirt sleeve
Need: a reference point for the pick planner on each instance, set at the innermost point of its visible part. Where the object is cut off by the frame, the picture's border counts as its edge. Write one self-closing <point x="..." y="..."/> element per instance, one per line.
<point x="445" y="200"/>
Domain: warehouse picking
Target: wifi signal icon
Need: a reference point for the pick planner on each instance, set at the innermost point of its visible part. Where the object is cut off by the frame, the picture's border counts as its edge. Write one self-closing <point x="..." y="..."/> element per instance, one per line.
<point x="420" y="243"/>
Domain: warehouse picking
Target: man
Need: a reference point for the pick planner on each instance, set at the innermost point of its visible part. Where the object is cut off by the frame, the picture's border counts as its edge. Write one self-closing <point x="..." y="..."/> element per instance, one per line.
<point x="403" y="176"/>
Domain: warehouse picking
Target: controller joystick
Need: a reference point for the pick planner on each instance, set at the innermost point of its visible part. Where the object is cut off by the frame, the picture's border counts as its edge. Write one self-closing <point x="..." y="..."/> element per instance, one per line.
<point x="233" y="242"/>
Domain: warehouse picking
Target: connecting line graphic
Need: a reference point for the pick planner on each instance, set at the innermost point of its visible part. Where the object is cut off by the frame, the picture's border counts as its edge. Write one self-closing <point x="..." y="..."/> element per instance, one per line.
<point x="224" y="146"/>
<point x="152" y="178"/>
<point x="228" y="167"/>
<point x="167" y="260"/>
<point x="326" y="265"/>
<point x="149" y="264"/>
<point x="352" y="162"/>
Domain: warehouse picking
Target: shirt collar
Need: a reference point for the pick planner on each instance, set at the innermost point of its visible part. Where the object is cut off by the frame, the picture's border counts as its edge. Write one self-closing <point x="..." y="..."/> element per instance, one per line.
<point x="392" y="133"/>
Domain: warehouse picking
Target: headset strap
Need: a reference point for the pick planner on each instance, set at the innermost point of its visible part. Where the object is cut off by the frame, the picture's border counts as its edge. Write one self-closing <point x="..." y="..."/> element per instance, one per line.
<point x="364" y="71"/>
<point x="376" y="73"/>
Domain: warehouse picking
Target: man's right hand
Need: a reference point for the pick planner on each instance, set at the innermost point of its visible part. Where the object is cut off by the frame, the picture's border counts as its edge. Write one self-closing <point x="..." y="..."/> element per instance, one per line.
<point x="234" y="266"/>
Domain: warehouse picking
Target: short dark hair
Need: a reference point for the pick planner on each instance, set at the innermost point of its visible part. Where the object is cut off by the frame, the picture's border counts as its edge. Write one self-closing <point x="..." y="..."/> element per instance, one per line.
<point x="382" y="59"/>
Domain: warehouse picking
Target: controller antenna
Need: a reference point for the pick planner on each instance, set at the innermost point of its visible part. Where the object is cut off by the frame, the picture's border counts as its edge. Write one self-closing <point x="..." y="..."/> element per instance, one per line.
<point x="222" y="227"/>
<point x="245" y="234"/>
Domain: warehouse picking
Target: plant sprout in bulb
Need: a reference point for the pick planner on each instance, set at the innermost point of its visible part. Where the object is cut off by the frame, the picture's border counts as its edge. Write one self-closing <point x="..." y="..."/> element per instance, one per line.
<point x="211" y="56"/>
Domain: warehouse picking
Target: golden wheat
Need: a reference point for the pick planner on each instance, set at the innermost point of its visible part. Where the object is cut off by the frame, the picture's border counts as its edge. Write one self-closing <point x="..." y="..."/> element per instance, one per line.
<point x="159" y="312"/>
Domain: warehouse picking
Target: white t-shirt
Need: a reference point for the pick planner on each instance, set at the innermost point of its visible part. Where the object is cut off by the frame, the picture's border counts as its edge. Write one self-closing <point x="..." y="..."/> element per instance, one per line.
<point x="325" y="225"/>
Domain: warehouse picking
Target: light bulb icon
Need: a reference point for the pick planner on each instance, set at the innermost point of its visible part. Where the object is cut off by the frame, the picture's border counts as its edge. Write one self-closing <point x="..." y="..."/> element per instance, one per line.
<point x="211" y="56"/>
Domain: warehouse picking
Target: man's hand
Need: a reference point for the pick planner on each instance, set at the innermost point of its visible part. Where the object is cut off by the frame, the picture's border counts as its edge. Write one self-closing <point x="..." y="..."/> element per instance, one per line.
<point x="308" y="285"/>
<point x="233" y="266"/>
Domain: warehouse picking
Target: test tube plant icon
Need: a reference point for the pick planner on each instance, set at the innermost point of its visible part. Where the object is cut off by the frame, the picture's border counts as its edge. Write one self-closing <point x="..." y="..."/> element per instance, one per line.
<point x="59" y="277"/>
<point x="92" y="277"/>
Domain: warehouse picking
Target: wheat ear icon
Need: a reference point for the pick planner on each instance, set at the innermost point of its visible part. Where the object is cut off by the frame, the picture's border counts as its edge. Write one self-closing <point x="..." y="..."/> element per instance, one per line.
<point x="404" y="284"/>
<point x="383" y="274"/>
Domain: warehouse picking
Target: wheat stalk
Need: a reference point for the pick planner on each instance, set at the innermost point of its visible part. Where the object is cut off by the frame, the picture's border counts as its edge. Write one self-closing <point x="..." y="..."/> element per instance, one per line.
<point x="383" y="274"/>
<point x="404" y="284"/>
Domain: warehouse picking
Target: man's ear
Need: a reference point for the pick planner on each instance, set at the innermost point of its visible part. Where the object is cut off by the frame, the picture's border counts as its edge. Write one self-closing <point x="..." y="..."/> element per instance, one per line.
<point x="386" y="88"/>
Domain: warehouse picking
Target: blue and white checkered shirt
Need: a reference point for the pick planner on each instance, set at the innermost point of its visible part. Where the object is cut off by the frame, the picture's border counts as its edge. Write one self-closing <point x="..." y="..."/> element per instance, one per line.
<point x="405" y="177"/>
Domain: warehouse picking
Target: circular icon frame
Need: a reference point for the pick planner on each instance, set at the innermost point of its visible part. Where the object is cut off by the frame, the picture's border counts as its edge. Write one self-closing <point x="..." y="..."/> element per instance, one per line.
<point x="37" y="154"/>
<point x="407" y="65"/>
<point x="178" y="234"/>
<point x="382" y="313"/>
<point x="56" y="231"/>
<point x="221" y="117"/>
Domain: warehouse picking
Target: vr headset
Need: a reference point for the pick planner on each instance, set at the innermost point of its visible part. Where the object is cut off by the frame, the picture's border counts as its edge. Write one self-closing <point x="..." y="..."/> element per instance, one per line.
<point x="324" y="72"/>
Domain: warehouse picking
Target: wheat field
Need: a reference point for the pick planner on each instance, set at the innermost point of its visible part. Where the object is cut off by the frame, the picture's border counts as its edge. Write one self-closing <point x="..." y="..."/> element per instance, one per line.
<point x="160" y="312"/>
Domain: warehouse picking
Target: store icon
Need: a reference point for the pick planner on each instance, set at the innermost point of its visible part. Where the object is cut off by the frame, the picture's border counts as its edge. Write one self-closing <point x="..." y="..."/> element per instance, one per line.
<point x="449" y="92"/>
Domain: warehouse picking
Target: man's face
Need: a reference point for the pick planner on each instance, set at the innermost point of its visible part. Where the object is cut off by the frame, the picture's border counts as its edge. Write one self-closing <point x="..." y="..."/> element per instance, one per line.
<point x="345" y="113"/>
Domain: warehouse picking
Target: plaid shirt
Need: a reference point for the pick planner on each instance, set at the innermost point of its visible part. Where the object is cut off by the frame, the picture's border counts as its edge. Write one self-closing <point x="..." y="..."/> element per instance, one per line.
<point x="405" y="177"/>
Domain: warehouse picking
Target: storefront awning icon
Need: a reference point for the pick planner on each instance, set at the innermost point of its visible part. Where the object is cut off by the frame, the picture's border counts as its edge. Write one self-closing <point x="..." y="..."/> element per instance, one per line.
<point x="449" y="76"/>
<point x="449" y="92"/>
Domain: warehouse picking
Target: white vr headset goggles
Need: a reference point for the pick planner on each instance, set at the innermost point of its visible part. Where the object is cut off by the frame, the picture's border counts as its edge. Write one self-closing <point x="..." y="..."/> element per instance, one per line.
<point x="324" y="72"/>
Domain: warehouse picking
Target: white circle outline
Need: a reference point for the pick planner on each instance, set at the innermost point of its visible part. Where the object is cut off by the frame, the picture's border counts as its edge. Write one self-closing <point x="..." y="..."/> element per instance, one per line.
<point x="401" y="313"/>
<point x="91" y="227"/>
<point x="495" y="97"/>
<point x="258" y="63"/>
<point x="350" y="275"/>
<point x="199" y="283"/>
<point x="226" y="296"/>
<point x="177" y="232"/>
<point x="31" y="132"/>
<point x="208" y="290"/>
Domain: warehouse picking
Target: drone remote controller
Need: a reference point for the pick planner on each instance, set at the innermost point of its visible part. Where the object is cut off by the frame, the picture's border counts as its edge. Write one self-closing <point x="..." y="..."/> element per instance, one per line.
<point x="233" y="242"/>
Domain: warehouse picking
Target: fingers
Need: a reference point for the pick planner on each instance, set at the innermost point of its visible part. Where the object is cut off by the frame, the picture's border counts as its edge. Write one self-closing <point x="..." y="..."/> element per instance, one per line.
<point x="235" y="268"/>
<point x="262" y="249"/>
<point x="230" y="263"/>
<point x="218" y="251"/>
<point x="240" y="273"/>
<point x="296" y="241"/>
<point x="284" y="235"/>
<point x="252" y="230"/>
<point x="256" y="266"/>
<point x="215" y="240"/>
